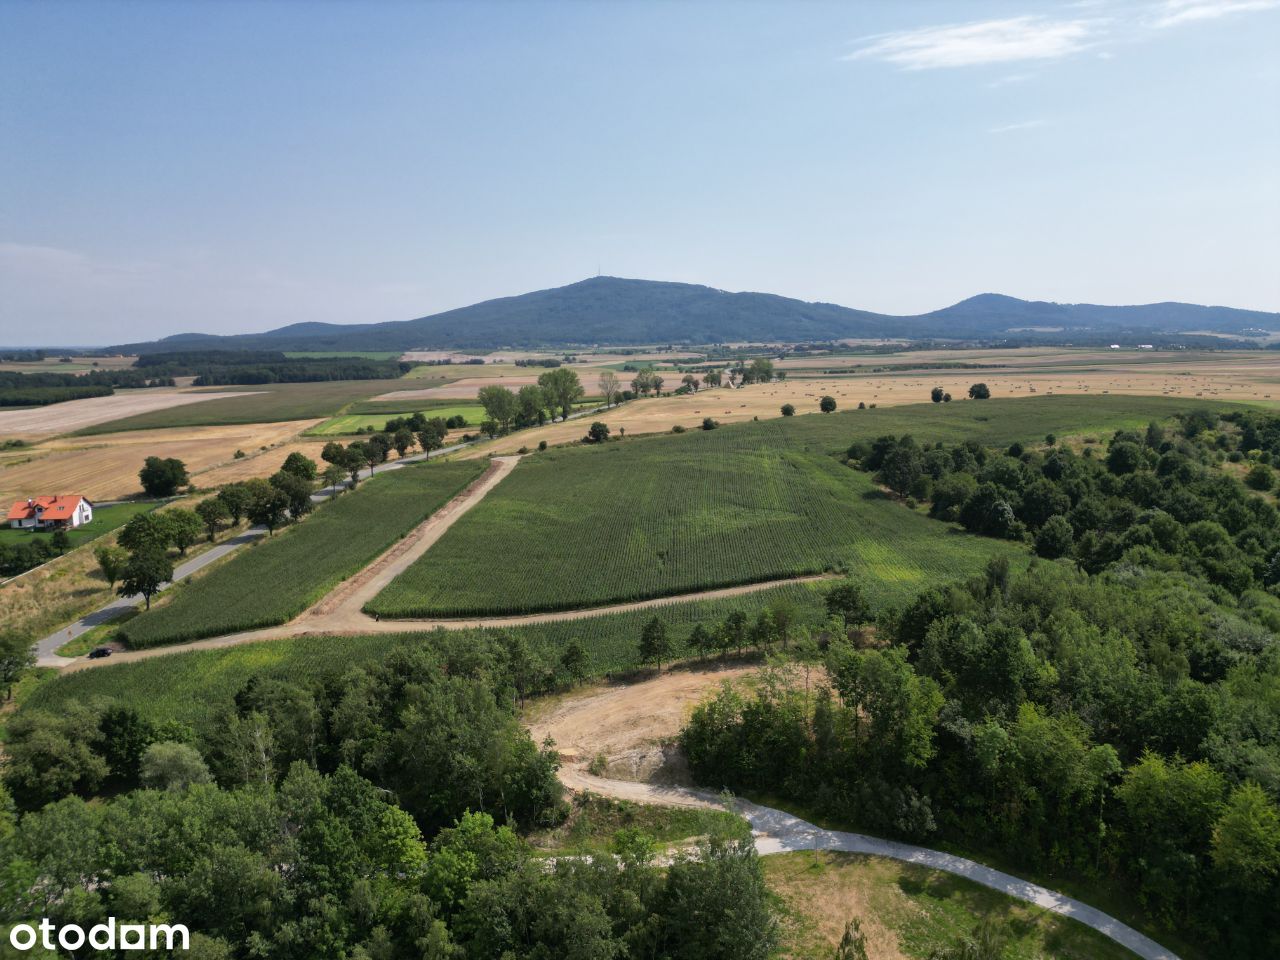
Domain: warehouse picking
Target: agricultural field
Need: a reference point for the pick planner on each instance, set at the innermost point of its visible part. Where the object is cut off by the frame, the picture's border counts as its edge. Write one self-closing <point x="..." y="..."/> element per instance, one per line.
<point x="909" y="911"/>
<point x="352" y="423"/>
<point x="105" y="519"/>
<point x="269" y="403"/>
<point x="191" y="686"/>
<point x="629" y="521"/>
<point x="105" y="467"/>
<point x="93" y="413"/>
<point x="277" y="578"/>
<point x="741" y="504"/>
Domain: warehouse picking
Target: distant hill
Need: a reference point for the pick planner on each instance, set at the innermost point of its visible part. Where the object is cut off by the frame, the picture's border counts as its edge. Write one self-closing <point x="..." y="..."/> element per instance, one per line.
<point x="612" y="311"/>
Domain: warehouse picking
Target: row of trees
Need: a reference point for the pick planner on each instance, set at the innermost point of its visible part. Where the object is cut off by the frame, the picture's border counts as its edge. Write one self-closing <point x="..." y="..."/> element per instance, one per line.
<point x="553" y="395"/>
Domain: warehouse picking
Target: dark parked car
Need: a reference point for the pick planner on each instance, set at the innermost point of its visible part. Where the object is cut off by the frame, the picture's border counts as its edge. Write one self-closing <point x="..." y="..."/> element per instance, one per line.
<point x="97" y="653"/>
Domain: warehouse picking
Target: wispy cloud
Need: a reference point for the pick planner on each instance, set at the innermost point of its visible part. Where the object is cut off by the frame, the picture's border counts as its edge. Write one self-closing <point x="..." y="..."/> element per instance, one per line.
<point x="986" y="41"/>
<point x="1020" y="125"/>
<point x="1172" y="13"/>
<point x="1010" y="79"/>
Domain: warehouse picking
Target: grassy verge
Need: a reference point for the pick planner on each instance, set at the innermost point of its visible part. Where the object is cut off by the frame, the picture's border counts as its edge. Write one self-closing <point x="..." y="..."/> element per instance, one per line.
<point x="102" y="633"/>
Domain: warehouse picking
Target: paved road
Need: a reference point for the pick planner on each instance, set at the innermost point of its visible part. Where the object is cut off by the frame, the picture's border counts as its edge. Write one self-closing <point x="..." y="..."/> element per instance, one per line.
<point x="46" y="647"/>
<point x="777" y="831"/>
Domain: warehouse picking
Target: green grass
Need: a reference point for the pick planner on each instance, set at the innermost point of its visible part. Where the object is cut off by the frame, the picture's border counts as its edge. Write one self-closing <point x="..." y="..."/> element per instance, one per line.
<point x="594" y="820"/>
<point x="193" y="685"/>
<point x="277" y="578"/>
<point x="267" y="403"/>
<point x="352" y="423"/>
<point x="105" y="519"/>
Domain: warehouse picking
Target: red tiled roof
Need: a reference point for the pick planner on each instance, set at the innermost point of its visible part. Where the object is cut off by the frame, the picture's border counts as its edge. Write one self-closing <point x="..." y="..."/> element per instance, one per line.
<point x="61" y="506"/>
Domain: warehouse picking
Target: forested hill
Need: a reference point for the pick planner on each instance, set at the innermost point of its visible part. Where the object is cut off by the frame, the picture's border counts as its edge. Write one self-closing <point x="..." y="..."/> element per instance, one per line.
<point x="612" y="310"/>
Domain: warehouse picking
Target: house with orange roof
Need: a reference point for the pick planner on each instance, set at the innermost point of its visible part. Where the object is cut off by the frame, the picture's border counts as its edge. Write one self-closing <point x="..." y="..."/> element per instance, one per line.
<point x="62" y="511"/>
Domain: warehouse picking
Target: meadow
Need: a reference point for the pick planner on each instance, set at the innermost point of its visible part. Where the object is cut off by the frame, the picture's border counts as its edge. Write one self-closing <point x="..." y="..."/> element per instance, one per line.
<point x="192" y="686"/>
<point x="277" y="578"/>
<point x="352" y="423"/>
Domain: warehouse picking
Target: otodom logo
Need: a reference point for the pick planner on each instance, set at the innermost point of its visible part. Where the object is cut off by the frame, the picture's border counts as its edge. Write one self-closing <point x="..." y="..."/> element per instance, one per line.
<point x="101" y="936"/>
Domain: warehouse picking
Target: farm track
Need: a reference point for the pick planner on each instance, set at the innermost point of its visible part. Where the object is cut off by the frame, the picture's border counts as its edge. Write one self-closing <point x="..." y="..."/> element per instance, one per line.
<point x="624" y="719"/>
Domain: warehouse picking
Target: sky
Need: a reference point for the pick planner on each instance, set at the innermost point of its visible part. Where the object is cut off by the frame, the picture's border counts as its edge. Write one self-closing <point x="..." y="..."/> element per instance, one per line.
<point x="229" y="167"/>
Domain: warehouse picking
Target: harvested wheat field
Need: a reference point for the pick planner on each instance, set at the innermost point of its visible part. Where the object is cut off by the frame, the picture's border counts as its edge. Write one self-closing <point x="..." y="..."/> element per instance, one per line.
<point x="260" y="463"/>
<point x="56" y="418"/>
<point x="1256" y="383"/>
<point x="106" y="467"/>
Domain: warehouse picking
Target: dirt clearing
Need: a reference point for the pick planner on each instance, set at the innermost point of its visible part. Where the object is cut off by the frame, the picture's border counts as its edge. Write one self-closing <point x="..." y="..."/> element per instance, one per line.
<point x="631" y="726"/>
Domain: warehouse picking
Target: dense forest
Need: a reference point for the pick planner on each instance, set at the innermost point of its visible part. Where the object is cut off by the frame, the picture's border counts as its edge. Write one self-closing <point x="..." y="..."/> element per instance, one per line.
<point x="227" y="367"/>
<point x="19" y="389"/>
<point x="376" y="815"/>
<point x="1117" y="717"/>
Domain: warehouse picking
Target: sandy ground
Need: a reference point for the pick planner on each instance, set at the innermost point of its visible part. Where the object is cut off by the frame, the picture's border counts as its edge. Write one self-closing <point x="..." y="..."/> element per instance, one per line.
<point x="106" y="467"/>
<point x="632" y="725"/>
<point x="59" y="418"/>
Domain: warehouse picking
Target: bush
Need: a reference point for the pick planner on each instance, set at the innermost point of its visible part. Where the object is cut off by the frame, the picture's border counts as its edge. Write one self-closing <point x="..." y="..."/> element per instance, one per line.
<point x="1260" y="477"/>
<point x="788" y="410"/>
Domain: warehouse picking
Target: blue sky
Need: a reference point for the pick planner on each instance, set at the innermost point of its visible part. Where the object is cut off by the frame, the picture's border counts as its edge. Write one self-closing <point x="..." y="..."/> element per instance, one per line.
<point x="229" y="167"/>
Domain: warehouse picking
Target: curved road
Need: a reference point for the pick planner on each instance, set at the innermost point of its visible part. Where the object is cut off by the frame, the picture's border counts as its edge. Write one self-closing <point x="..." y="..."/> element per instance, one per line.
<point x="777" y="831"/>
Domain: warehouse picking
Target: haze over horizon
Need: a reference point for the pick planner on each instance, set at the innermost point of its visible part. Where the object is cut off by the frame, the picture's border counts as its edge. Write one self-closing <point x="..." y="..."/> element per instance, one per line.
<point x="235" y="168"/>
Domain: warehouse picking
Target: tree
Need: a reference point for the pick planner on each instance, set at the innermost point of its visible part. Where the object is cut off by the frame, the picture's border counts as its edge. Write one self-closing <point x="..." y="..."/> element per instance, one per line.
<point x="701" y="640"/>
<point x="610" y="387"/>
<point x="827" y="404"/>
<point x="402" y="440"/>
<point x="719" y="889"/>
<point x="847" y="601"/>
<point x="431" y="436"/>
<point x="301" y="466"/>
<point x="185" y="527"/>
<point x="60" y="541"/>
<point x="713" y="378"/>
<point x="655" y="644"/>
<point x="161" y="477"/>
<point x="562" y="389"/>
<point x="531" y="406"/>
<point x="334" y="453"/>
<point x="333" y="476"/>
<point x="642" y="382"/>
<point x="979" y="391"/>
<point x="172" y="766"/>
<point x="268" y="507"/>
<point x="709" y="424"/>
<point x="1260" y="477"/>
<point x="50" y="756"/>
<point x="574" y="661"/>
<point x="214" y="514"/>
<point x="376" y="450"/>
<point x="148" y="569"/>
<point x="16" y="655"/>
<point x="936" y="394"/>
<point x="946" y="398"/>
<point x="788" y="410"/>
<point x="500" y="404"/>
<point x="111" y="561"/>
<point x="1124" y="457"/>
<point x="853" y="945"/>
<point x="1246" y="839"/>
<point x="236" y="498"/>
<point x="145" y="530"/>
<point x="353" y="458"/>
<point x="690" y="381"/>
<point x="598" y="433"/>
<point x="1055" y="539"/>
<point x="296" y="490"/>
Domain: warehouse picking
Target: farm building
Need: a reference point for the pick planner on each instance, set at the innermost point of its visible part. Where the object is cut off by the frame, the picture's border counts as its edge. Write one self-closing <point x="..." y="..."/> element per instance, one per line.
<point x="61" y="511"/>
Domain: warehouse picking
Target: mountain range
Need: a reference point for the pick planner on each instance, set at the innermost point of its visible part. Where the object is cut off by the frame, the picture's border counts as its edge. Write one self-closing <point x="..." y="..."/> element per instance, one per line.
<point x="613" y="311"/>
